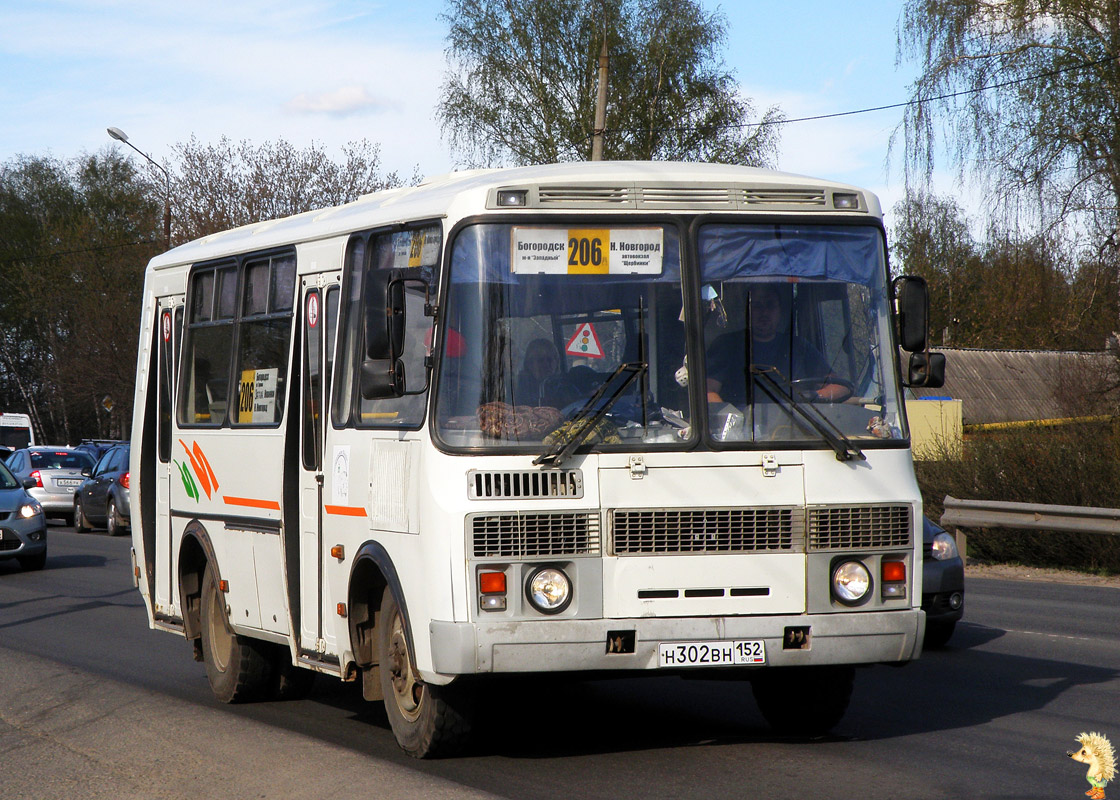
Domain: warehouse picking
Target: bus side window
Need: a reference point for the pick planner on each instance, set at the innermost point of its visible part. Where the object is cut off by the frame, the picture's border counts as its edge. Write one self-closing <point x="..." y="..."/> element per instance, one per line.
<point x="265" y="333"/>
<point x="203" y="392"/>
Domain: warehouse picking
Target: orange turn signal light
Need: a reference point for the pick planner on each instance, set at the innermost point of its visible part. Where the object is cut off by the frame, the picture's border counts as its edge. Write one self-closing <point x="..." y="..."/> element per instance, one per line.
<point x="492" y="582"/>
<point x="338" y="551"/>
<point x="223" y="586"/>
<point x="894" y="571"/>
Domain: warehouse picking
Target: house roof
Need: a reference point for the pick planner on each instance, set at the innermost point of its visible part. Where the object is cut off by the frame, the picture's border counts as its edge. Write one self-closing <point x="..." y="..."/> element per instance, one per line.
<point x="999" y="386"/>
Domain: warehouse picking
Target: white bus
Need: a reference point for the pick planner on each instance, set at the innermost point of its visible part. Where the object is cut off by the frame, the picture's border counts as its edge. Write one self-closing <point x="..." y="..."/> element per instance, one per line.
<point x="16" y="432"/>
<point x="640" y="418"/>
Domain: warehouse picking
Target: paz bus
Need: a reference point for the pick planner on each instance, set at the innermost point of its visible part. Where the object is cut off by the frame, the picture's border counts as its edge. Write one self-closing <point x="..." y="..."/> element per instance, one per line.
<point x="15" y="432"/>
<point x="630" y="418"/>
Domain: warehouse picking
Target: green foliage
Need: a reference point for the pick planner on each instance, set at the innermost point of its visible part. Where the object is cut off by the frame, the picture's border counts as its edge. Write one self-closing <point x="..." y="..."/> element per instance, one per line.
<point x="522" y="81"/>
<point x="1008" y="291"/>
<point x="1072" y="465"/>
<point x="74" y="237"/>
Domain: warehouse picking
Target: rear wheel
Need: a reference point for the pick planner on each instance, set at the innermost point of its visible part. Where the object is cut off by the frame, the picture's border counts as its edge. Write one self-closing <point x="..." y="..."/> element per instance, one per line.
<point x="80" y="521"/>
<point x="237" y="667"/>
<point x="426" y="720"/>
<point x="114" y="523"/>
<point x="804" y="701"/>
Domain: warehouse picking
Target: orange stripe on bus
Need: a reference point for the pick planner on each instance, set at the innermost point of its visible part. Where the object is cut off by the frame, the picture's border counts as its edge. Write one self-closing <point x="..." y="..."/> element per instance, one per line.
<point x="345" y="511"/>
<point x="251" y="503"/>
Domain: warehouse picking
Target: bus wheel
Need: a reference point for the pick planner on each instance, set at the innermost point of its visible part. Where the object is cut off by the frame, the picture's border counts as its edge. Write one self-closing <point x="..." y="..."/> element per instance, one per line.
<point x="426" y="720"/>
<point x="236" y="666"/>
<point x="803" y="701"/>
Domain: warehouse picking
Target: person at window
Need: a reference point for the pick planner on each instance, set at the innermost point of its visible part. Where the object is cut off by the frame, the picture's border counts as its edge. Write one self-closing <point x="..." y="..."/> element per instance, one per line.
<point x="541" y="363"/>
<point x="772" y="346"/>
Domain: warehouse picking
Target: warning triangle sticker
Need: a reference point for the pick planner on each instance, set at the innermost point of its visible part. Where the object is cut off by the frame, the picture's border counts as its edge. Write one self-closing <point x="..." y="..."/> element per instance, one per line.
<point x="585" y="343"/>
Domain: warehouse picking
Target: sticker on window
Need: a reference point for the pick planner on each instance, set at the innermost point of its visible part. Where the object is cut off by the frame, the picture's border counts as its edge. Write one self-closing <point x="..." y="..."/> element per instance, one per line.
<point x="587" y="251"/>
<point x="257" y="396"/>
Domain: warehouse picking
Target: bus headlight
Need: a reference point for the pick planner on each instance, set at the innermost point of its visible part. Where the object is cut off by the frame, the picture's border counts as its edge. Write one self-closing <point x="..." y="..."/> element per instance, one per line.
<point x="549" y="590"/>
<point x="850" y="582"/>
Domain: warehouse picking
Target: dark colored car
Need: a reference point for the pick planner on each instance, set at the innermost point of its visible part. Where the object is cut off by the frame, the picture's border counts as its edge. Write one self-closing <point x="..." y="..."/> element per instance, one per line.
<point x="942" y="583"/>
<point x="103" y="499"/>
<point x="97" y="447"/>
<point x="56" y="472"/>
<point x="23" y="528"/>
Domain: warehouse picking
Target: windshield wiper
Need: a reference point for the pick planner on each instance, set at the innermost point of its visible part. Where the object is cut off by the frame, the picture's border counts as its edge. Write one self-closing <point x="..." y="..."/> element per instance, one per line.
<point x="844" y="448"/>
<point x="584" y="422"/>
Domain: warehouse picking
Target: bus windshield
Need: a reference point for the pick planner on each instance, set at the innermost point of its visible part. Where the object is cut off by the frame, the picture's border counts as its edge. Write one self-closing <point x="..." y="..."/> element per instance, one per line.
<point x="792" y="337"/>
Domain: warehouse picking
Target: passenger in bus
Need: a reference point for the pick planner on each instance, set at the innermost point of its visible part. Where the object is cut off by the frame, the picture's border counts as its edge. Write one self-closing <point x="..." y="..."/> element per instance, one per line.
<point x="541" y="363"/>
<point x="772" y="346"/>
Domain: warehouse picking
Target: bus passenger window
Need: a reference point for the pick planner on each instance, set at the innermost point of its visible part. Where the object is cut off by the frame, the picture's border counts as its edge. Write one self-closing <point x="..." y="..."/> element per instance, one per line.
<point x="262" y="358"/>
<point x="203" y="392"/>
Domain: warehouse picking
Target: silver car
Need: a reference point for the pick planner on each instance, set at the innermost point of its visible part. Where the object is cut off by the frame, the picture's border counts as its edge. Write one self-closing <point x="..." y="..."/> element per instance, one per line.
<point x="56" y="472"/>
<point x="23" y="528"/>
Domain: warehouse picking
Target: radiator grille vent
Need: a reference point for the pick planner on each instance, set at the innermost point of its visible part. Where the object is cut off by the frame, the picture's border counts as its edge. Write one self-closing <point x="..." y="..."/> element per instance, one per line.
<point x="859" y="527"/>
<point x="709" y="196"/>
<point x="517" y="485"/>
<point x="716" y="530"/>
<point x="523" y="535"/>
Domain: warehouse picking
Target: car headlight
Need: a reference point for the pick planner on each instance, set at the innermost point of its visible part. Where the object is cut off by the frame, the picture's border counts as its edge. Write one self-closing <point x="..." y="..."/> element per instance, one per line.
<point x="549" y="590"/>
<point x="944" y="546"/>
<point x="28" y="510"/>
<point x="851" y="582"/>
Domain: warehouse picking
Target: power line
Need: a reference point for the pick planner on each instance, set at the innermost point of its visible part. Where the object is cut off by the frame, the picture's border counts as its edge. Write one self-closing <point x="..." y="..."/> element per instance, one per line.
<point x="890" y="107"/>
<point x="80" y="251"/>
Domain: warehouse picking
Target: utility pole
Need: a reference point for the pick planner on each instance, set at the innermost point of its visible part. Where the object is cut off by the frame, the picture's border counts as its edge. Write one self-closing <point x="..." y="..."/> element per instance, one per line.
<point x="601" y="99"/>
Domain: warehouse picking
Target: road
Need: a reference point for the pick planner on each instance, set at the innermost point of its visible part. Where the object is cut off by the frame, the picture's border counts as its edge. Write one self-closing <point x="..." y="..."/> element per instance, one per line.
<point x="993" y="715"/>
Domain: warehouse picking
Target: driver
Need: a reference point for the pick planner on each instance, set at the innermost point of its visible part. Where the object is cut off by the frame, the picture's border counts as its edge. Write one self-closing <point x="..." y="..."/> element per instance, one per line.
<point x="771" y="347"/>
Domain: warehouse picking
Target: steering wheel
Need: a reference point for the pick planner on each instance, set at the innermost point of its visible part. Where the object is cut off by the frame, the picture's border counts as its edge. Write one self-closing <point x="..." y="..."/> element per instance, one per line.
<point x="811" y="385"/>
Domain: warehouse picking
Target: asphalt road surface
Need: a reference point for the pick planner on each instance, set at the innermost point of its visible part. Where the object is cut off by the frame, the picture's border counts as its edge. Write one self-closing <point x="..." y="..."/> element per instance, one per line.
<point x="1030" y="667"/>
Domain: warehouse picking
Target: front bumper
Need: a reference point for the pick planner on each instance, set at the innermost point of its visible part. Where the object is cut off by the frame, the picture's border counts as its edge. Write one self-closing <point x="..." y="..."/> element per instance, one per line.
<point x="21" y="538"/>
<point x="940" y="581"/>
<point x="463" y="648"/>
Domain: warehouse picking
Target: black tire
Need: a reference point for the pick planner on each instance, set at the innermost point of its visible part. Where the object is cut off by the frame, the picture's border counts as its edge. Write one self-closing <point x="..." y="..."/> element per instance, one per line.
<point x="80" y="521"/>
<point x="113" y="522"/>
<point x="427" y="721"/>
<point x="237" y="667"/>
<point x="32" y="563"/>
<point x="803" y="701"/>
<point x="939" y="633"/>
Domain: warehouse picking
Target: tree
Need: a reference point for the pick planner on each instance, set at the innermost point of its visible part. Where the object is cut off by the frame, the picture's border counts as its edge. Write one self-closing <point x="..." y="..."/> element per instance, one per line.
<point x="74" y="237"/>
<point x="220" y="186"/>
<point x="522" y="80"/>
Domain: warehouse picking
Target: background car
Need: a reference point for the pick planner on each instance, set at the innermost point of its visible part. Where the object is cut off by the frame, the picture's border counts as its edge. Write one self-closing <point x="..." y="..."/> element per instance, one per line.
<point x="942" y="583"/>
<point x="57" y="472"/>
<point x="23" y="528"/>
<point x="103" y="499"/>
<point x="97" y="447"/>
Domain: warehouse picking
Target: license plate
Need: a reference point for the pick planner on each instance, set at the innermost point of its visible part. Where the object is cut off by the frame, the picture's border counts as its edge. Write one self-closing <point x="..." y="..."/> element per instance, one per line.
<point x="711" y="654"/>
<point x="69" y="483"/>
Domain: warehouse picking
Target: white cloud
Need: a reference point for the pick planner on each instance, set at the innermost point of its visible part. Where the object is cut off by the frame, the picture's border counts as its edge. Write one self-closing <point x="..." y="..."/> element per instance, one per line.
<point x="343" y="102"/>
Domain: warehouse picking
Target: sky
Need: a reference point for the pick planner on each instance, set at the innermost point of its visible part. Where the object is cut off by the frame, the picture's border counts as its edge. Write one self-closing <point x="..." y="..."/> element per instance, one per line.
<point x="334" y="71"/>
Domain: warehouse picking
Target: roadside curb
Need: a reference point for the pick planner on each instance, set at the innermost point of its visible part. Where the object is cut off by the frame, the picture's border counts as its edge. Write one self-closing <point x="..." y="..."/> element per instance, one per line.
<point x="67" y="733"/>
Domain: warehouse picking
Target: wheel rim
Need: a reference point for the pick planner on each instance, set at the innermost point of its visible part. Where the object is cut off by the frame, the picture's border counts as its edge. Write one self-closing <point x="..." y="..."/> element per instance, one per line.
<point x="218" y="633"/>
<point x="112" y="522"/>
<point x="408" y="690"/>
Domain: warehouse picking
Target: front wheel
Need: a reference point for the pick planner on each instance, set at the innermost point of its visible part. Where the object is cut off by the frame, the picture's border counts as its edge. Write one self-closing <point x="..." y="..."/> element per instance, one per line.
<point x="426" y="720"/>
<point x="236" y="666"/>
<point x="80" y="521"/>
<point x="803" y="701"/>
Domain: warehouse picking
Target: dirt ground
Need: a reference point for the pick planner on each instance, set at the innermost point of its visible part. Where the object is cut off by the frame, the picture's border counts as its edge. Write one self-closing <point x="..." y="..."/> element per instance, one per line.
<point x="1013" y="572"/>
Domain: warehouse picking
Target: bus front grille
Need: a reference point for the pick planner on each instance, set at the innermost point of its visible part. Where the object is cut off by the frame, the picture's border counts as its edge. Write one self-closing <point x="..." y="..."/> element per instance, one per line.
<point x="859" y="527"/>
<point x="714" y="530"/>
<point x="521" y="484"/>
<point x="527" y="535"/>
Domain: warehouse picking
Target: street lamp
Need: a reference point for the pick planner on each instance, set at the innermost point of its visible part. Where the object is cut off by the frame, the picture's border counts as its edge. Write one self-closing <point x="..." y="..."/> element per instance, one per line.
<point x="121" y="136"/>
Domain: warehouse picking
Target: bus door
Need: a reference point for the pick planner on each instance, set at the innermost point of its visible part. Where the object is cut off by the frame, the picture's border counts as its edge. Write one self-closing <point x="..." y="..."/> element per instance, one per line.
<point x="320" y="297"/>
<point x="169" y="337"/>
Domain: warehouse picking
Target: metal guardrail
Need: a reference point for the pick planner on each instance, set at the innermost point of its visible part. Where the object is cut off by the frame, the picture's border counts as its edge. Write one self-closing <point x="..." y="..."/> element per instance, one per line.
<point x="960" y="514"/>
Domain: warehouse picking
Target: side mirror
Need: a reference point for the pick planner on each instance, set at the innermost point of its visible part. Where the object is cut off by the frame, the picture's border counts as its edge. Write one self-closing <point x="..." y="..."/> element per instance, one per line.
<point x="30" y="483"/>
<point x="87" y="471"/>
<point x="382" y="371"/>
<point x="927" y="370"/>
<point x="912" y="304"/>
